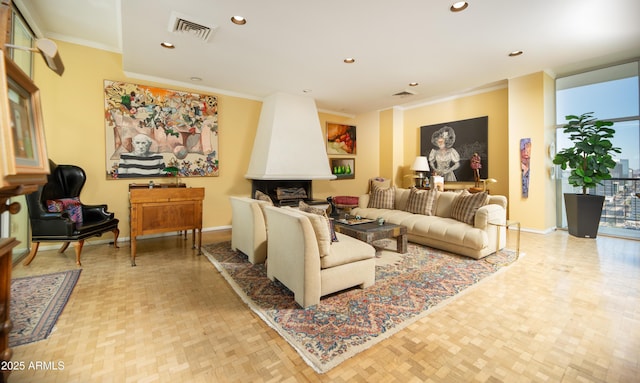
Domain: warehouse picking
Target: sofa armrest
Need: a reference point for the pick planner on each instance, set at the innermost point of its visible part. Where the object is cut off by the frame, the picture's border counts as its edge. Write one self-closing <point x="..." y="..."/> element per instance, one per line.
<point x="363" y="201"/>
<point x="489" y="213"/>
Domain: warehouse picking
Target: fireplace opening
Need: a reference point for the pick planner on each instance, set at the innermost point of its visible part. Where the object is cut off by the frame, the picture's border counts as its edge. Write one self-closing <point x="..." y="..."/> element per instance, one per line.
<point x="286" y="192"/>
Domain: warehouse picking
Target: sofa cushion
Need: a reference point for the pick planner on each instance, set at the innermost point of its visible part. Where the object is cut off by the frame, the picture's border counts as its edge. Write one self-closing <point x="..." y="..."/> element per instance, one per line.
<point x="402" y="196"/>
<point x="382" y="198"/>
<point x="444" y="203"/>
<point x="464" y="207"/>
<point x="421" y="201"/>
<point x="347" y="250"/>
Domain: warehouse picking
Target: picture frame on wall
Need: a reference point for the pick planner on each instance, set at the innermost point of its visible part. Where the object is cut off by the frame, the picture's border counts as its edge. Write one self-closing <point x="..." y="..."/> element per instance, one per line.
<point x="449" y="147"/>
<point x="157" y="132"/>
<point x="341" y="139"/>
<point x="343" y="168"/>
<point x="24" y="152"/>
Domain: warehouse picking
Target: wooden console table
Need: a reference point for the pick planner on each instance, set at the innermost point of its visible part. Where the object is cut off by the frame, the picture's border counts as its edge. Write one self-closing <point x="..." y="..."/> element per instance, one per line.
<point x="160" y="210"/>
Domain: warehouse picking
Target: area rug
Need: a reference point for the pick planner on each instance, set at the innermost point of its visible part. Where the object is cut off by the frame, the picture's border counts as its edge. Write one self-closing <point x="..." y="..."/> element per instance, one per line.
<point x="408" y="287"/>
<point x="36" y="304"/>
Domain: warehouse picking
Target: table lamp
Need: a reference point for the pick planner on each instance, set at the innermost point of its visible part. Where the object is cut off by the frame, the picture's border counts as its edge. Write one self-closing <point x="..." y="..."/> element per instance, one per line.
<point x="421" y="167"/>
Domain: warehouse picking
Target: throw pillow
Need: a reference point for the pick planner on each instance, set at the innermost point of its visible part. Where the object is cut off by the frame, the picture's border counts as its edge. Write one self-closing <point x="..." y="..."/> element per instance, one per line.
<point x="421" y="201"/>
<point x="323" y="213"/>
<point x="464" y="207"/>
<point x="321" y="230"/>
<point x="72" y="206"/>
<point x="382" y="198"/>
<point x="260" y="196"/>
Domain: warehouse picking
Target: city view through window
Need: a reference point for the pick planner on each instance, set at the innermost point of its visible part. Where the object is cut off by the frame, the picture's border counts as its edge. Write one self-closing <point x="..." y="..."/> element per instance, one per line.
<point x="612" y="94"/>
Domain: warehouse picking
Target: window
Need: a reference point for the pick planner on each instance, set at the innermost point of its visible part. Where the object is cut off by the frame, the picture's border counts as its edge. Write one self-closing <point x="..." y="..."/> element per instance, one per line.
<point x="613" y="94"/>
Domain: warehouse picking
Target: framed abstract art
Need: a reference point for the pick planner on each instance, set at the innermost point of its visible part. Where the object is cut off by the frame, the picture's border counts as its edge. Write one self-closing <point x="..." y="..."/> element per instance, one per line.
<point x="156" y="132"/>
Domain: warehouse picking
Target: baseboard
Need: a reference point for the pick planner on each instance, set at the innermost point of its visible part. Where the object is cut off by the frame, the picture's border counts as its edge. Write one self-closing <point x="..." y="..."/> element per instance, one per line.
<point x="55" y="245"/>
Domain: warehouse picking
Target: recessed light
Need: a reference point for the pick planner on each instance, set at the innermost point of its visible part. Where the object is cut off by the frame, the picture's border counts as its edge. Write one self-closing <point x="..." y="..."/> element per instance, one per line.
<point x="515" y="53"/>
<point x="195" y="79"/>
<point x="413" y="84"/>
<point x="459" y="6"/>
<point x="167" y="45"/>
<point x="349" y="60"/>
<point x="238" y="20"/>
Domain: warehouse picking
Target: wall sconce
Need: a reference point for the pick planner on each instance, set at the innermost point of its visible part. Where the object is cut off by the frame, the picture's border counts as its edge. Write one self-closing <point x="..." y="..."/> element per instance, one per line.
<point x="421" y="167"/>
<point x="49" y="51"/>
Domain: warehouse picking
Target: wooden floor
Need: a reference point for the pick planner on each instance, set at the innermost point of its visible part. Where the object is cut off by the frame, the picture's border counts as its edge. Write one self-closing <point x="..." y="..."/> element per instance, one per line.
<point x="567" y="311"/>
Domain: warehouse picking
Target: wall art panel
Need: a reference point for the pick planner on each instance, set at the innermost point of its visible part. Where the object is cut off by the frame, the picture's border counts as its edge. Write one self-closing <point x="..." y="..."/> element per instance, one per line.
<point x="155" y="132"/>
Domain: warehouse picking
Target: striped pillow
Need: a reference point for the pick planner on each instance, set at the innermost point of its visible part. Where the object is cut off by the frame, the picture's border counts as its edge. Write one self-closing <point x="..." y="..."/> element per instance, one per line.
<point x="464" y="207"/>
<point x="421" y="201"/>
<point x="382" y="198"/>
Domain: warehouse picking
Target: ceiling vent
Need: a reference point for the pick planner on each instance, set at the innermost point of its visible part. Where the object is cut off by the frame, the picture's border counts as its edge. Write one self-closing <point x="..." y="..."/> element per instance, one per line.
<point x="186" y="25"/>
<point x="405" y="93"/>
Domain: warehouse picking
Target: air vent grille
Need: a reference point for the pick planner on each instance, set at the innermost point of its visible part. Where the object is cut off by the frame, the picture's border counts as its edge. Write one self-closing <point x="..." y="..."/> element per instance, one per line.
<point x="180" y="24"/>
<point x="405" y="93"/>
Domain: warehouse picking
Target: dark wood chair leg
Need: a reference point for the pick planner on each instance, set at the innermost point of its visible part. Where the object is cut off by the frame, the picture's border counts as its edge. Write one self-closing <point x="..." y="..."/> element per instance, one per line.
<point x="63" y="247"/>
<point x="116" y="233"/>
<point x="32" y="254"/>
<point x="78" y="245"/>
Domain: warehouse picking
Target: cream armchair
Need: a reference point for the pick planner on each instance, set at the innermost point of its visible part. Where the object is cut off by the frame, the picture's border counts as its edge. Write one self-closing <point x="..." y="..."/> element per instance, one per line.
<point x="248" y="228"/>
<point x="304" y="259"/>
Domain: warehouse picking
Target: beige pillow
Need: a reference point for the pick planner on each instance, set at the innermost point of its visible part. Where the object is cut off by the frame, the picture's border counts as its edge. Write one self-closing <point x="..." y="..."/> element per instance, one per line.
<point x="321" y="229"/>
<point x="382" y="198"/>
<point x="321" y="212"/>
<point x="464" y="207"/>
<point x="260" y="196"/>
<point x="421" y="201"/>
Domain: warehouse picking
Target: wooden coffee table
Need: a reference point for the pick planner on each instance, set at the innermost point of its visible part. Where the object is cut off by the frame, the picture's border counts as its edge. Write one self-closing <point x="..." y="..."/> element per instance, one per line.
<point x="372" y="231"/>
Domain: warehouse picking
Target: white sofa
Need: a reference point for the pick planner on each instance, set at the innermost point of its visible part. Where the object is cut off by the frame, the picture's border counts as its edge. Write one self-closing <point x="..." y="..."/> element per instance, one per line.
<point x="440" y="230"/>
<point x="304" y="259"/>
<point x="248" y="228"/>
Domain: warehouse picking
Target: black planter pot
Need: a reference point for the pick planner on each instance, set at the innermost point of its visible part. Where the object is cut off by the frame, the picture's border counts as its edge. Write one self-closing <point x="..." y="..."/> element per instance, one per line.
<point x="583" y="214"/>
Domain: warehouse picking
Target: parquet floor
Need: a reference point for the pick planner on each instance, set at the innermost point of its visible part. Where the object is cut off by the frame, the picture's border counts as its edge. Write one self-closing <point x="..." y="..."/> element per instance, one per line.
<point x="568" y="311"/>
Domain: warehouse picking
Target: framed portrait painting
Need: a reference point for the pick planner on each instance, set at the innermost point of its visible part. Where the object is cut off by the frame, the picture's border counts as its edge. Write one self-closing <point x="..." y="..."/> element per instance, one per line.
<point x="451" y="146"/>
<point x="24" y="153"/>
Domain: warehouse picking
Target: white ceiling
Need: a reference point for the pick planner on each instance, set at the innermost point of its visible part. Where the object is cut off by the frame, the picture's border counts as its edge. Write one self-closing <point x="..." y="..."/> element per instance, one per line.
<point x="293" y="45"/>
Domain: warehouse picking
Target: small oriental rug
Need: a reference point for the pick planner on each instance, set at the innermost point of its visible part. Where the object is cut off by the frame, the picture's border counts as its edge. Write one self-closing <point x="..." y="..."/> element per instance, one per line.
<point x="36" y="304"/>
<point x="408" y="286"/>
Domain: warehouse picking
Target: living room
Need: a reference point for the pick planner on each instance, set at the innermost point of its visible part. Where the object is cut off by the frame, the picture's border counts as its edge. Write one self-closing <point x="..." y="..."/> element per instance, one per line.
<point x="388" y="142"/>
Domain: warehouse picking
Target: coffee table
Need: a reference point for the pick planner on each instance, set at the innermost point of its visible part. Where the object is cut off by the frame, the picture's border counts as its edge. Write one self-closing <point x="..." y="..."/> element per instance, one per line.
<point x="372" y="231"/>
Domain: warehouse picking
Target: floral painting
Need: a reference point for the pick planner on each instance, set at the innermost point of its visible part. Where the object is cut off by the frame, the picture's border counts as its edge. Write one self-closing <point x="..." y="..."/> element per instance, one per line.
<point x="155" y="132"/>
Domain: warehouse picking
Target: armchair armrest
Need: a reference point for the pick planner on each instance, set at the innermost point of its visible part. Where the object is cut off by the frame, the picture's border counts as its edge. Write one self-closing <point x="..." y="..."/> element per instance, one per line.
<point x="95" y="213"/>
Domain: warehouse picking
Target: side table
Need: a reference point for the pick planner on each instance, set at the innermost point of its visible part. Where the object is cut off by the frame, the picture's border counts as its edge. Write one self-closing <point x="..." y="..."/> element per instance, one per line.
<point x="506" y="225"/>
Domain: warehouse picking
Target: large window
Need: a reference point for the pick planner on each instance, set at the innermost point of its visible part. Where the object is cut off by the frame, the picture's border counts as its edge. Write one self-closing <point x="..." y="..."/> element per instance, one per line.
<point x="613" y="94"/>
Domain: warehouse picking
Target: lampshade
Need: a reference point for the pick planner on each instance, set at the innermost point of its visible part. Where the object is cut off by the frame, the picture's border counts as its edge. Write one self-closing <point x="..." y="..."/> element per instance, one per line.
<point x="49" y="51"/>
<point x="420" y="164"/>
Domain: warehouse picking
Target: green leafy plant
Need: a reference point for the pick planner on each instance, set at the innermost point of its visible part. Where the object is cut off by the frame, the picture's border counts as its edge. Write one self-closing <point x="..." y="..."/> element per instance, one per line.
<point x="590" y="158"/>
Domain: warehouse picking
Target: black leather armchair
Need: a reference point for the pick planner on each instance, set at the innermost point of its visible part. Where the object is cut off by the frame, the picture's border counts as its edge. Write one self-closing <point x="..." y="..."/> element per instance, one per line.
<point x="64" y="182"/>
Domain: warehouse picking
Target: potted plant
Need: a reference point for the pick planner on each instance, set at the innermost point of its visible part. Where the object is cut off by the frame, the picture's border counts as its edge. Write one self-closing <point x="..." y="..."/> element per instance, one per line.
<point x="590" y="160"/>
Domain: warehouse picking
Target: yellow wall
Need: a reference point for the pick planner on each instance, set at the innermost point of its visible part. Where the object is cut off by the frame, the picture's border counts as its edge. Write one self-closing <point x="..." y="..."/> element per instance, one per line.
<point x="73" y="109"/>
<point x="493" y="104"/>
<point x="387" y="141"/>
<point x="532" y="115"/>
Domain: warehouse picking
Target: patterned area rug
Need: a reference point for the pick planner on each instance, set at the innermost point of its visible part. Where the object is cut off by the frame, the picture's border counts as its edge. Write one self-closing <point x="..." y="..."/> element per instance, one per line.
<point x="36" y="303"/>
<point x="407" y="287"/>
